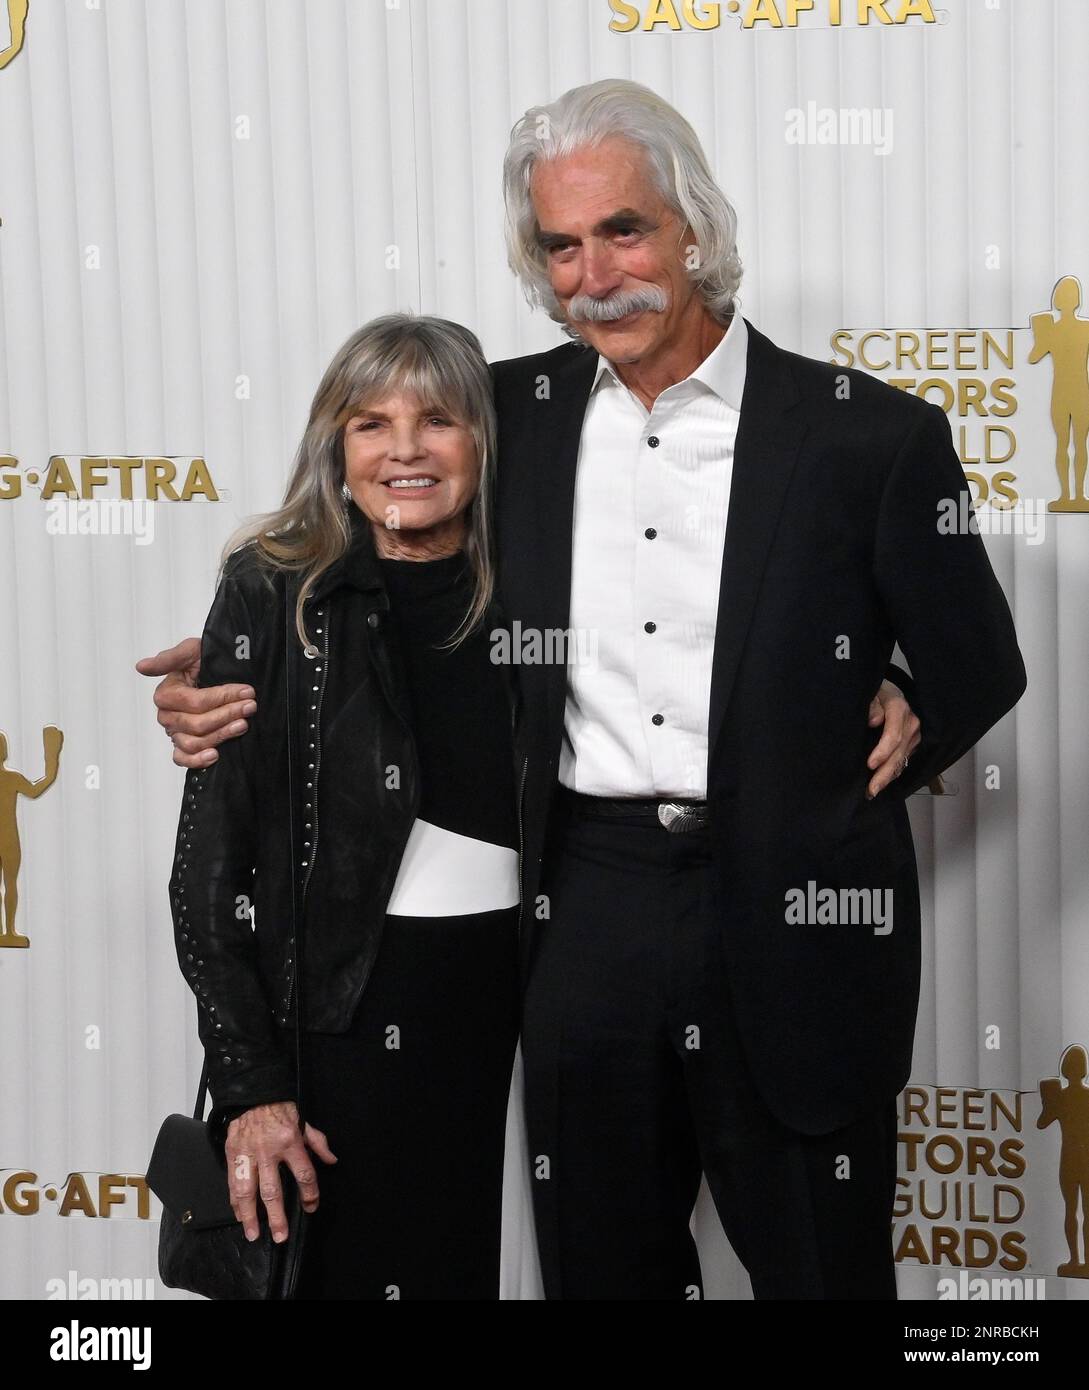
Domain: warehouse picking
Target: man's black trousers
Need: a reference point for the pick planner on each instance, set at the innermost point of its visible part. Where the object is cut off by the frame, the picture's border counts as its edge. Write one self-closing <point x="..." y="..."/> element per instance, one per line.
<point x="636" y="1081"/>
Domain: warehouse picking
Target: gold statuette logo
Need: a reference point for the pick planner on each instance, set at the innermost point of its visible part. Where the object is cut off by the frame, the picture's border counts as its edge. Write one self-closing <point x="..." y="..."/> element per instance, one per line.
<point x="1065" y="339"/>
<point x="1068" y="1107"/>
<point x="16" y="30"/>
<point x="12" y="784"/>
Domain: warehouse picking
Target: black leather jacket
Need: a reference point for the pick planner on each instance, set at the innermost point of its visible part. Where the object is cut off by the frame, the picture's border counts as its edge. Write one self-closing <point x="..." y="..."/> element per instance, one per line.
<point x="356" y="795"/>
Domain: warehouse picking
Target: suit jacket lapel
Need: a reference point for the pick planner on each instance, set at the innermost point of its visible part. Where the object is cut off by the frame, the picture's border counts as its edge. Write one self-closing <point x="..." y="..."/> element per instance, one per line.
<point x="769" y="434"/>
<point x="558" y="453"/>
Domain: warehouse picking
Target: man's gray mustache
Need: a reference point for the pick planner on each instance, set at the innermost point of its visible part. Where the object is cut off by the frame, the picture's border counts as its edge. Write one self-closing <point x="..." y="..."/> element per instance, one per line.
<point x="591" y="310"/>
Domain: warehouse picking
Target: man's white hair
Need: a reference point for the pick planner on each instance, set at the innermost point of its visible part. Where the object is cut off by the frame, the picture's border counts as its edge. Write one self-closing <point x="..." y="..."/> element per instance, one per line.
<point x="675" y="160"/>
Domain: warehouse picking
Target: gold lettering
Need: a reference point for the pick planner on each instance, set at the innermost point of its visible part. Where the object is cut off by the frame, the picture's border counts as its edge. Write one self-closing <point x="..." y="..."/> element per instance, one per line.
<point x="199" y="480"/>
<point x="160" y="473"/>
<point x="628" y="17"/>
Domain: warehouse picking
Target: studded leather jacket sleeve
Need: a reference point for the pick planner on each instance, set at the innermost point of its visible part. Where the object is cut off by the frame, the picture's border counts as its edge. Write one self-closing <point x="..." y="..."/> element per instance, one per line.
<point x="212" y="884"/>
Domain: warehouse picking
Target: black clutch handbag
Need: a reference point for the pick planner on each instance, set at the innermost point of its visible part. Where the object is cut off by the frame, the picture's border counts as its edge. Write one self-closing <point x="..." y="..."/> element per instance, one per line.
<point x="202" y="1245"/>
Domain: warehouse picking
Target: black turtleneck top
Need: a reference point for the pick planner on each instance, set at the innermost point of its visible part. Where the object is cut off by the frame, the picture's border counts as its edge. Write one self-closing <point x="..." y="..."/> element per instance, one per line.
<point x="460" y="713"/>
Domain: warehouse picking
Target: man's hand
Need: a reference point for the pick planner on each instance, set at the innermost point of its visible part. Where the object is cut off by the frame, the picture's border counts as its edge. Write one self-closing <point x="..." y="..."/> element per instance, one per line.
<point x="258" y="1141"/>
<point x="195" y="719"/>
<point x="898" y="741"/>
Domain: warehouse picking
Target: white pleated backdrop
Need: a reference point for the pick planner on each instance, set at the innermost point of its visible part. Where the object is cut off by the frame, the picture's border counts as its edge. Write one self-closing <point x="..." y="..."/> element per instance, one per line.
<point x="198" y="204"/>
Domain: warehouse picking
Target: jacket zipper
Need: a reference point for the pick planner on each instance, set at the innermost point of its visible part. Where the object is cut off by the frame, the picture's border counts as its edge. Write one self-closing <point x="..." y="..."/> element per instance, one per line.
<point x="314" y="800"/>
<point x="519" y="798"/>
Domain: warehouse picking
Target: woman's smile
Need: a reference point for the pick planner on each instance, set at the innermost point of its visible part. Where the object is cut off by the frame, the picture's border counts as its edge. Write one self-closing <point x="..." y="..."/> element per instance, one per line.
<point x="420" y="483"/>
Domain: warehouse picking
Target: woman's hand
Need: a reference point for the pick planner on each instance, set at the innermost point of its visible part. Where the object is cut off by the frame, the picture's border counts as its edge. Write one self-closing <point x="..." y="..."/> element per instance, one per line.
<point x="258" y="1141"/>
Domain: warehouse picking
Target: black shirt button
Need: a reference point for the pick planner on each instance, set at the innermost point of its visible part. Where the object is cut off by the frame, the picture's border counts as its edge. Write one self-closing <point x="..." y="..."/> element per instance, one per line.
<point x="650" y="533"/>
<point x="657" y="719"/>
<point x="650" y="627"/>
<point x="372" y="619"/>
<point x="654" y="441"/>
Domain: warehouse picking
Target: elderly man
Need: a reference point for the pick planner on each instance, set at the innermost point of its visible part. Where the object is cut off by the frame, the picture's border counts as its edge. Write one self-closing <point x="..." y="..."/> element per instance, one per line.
<point x="721" y="913"/>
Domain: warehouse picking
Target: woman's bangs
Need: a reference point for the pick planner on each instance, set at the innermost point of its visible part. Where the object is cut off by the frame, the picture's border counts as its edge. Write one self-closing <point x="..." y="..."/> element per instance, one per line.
<point x="413" y="372"/>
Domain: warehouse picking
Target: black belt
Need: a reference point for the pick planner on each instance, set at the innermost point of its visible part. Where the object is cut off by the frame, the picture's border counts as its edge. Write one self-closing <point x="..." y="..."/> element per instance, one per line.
<point x="678" y="817"/>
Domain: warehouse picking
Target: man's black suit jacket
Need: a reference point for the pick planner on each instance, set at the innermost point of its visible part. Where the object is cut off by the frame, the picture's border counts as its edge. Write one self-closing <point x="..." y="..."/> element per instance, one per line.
<point x="832" y="534"/>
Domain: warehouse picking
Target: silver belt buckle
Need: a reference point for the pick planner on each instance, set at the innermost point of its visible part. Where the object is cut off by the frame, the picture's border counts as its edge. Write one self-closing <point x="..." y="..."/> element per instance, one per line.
<point x="676" y="818"/>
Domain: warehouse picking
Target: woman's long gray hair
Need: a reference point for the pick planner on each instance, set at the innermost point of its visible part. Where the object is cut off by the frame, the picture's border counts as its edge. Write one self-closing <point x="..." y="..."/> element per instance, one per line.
<point x="616" y="107"/>
<point x="442" y="365"/>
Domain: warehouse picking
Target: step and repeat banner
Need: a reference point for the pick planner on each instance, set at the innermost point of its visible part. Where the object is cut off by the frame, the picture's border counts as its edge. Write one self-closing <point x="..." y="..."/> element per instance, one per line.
<point x="200" y="199"/>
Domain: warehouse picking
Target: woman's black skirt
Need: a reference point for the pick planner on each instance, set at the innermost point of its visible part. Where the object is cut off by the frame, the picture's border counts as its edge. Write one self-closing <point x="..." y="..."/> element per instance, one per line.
<point x="413" y="1101"/>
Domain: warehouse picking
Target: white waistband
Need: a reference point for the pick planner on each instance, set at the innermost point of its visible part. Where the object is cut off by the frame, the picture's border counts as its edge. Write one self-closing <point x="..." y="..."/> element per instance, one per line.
<point x="443" y="874"/>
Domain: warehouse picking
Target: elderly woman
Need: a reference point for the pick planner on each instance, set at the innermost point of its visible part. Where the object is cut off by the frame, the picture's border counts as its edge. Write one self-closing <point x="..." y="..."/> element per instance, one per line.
<point x="367" y="598"/>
